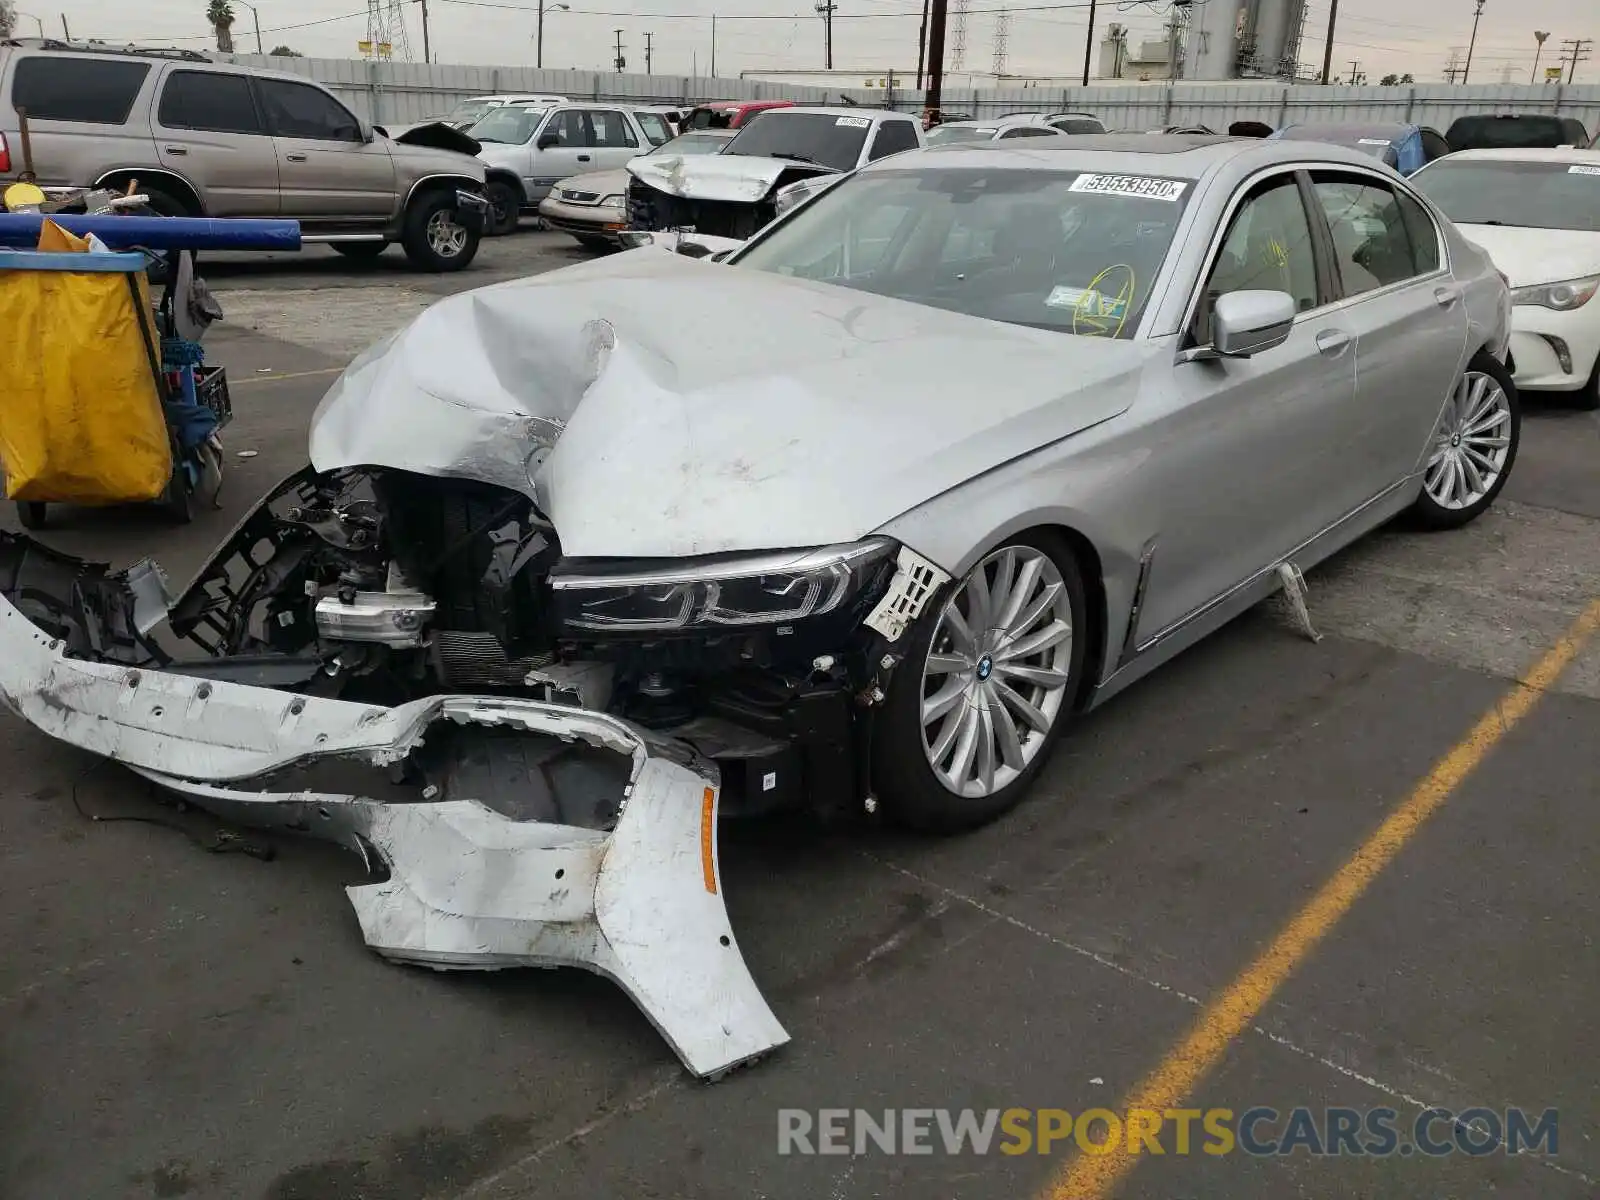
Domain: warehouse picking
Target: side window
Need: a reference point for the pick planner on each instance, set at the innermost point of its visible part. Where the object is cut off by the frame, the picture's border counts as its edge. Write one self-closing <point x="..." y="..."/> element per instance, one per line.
<point x="1371" y="246"/>
<point x="1267" y="247"/>
<point x="99" y="92"/>
<point x="611" y="130"/>
<point x="654" y="127"/>
<point x="1422" y="233"/>
<point x="300" y="111"/>
<point x="208" y="100"/>
<point x="893" y="137"/>
<point x="568" y="127"/>
<point x="1078" y="125"/>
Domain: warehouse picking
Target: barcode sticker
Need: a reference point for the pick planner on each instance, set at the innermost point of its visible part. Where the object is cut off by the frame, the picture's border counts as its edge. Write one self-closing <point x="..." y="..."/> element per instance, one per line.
<point x="1141" y="187"/>
<point x="854" y="122"/>
<point x="1583" y="170"/>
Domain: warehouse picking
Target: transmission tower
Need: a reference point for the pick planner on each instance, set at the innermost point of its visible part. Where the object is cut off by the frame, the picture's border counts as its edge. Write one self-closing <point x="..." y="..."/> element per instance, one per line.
<point x="958" y="34"/>
<point x="386" y="25"/>
<point x="1002" y="34"/>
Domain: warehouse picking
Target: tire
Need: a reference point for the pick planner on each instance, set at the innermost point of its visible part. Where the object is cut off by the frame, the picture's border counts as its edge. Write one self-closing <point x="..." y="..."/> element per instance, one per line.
<point x="32" y="514"/>
<point x="1587" y="398"/>
<point x="177" y="502"/>
<point x="505" y="208"/>
<point x="904" y="777"/>
<point x="164" y="204"/>
<point x="359" y="251"/>
<point x="1452" y="493"/>
<point x="423" y="248"/>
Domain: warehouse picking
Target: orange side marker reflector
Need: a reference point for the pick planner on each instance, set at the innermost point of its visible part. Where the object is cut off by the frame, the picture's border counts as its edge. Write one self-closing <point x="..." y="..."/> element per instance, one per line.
<point x="708" y="831"/>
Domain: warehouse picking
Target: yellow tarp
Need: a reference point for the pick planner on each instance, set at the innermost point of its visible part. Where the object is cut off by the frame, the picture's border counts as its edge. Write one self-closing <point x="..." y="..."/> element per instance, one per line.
<point x="80" y="414"/>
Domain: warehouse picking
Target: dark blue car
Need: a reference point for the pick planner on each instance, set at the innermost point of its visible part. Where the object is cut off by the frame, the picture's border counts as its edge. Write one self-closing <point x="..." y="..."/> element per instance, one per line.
<point x="1406" y="148"/>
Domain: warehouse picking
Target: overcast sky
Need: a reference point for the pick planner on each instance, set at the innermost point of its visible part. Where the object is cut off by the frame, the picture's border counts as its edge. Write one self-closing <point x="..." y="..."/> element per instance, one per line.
<point x="1385" y="36"/>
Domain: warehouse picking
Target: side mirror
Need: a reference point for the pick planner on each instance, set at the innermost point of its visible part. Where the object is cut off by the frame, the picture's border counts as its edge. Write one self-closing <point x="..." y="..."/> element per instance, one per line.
<point x="1246" y="323"/>
<point x="547" y="140"/>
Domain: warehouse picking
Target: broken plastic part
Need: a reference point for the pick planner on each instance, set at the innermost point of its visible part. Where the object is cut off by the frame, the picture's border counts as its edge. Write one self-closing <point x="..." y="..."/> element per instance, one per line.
<point x="1294" y="587"/>
<point x="914" y="583"/>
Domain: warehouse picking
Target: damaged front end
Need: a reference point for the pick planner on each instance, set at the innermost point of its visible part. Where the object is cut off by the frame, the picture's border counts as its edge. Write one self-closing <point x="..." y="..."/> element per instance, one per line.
<point x="722" y="196"/>
<point x="541" y="746"/>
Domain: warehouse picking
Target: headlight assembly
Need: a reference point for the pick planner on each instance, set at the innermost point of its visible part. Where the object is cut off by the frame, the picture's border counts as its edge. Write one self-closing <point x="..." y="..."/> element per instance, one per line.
<point x="1563" y="297"/>
<point x="703" y="593"/>
<point x="611" y="201"/>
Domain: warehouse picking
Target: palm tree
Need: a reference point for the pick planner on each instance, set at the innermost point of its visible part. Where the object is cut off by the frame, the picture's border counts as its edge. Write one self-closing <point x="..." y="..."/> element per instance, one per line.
<point x="220" y="14"/>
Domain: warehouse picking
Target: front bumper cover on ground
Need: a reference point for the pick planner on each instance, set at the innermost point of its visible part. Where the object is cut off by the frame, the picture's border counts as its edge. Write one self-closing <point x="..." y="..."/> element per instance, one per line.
<point x="637" y="900"/>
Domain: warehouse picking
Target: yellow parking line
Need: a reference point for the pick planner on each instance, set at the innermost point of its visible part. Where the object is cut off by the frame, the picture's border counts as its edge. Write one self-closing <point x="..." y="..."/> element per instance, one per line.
<point x="286" y="375"/>
<point x="1095" y="1176"/>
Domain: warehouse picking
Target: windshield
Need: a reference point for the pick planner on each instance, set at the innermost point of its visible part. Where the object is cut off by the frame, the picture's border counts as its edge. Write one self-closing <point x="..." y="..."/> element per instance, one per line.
<point x="1060" y="250"/>
<point x="510" y="123"/>
<point x="960" y="133"/>
<point x="804" y="137"/>
<point x="469" y="111"/>
<point x="1506" y="133"/>
<point x="692" y="143"/>
<point x="1532" y="195"/>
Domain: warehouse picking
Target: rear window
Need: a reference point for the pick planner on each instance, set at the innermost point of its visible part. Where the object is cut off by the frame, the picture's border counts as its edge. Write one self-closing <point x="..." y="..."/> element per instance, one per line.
<point x="1487" y="133"/>
<point x="97" y="91"/>
<point x="1079" y="125"/>
<point x="821" y="138"/>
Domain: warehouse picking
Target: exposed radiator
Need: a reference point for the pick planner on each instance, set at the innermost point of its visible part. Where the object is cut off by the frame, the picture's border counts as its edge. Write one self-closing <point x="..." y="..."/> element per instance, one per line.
<point x="476" y="659"/>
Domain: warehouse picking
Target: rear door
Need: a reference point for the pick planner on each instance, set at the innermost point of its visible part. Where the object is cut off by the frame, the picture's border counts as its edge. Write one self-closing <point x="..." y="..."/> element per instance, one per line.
<point x="326" y="168"/>
<point x="614" y="138"/>
<point x="572" y="152"/>
<point x="209" y="127"/>
<point x="1409" y="319"/>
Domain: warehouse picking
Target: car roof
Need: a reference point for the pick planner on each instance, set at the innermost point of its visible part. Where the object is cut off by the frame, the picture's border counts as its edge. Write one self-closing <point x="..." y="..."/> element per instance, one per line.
<point x="1182" y="154"/>
<point x="1576" y="155"/>
<point x="846" y="111"/>
<point x="1348" y="128"/>
<point x="997" y="123"/>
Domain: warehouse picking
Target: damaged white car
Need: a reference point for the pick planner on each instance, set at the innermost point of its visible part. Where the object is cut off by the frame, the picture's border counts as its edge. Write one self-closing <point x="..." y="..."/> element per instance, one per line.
<point x="1005" y="428"/>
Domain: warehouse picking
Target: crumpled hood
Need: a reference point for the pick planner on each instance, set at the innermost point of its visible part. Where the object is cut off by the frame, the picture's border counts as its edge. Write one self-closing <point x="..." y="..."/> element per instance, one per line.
<point x="736" y="177"/>
<point x="687" y="427"/>
<point x="1529" y="256"/>
<point x="438" y="136"/>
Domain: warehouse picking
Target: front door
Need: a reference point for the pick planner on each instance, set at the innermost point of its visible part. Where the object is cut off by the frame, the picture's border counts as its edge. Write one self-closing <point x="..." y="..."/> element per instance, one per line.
<point x="209" y="129"/>
<point x="327" y="170"/>
<point x="1239" y="477"/>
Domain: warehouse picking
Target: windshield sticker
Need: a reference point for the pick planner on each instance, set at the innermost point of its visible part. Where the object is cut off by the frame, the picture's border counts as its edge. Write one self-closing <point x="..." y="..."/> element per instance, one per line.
<point x="1583" y="170"/>
<point x="854" y="122"/>
<point x="1373" y="142"/>
<point x="1142" y="187"/>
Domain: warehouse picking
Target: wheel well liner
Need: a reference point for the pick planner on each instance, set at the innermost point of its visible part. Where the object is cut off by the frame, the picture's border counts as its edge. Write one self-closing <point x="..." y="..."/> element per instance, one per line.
<point x="167" y="181"/>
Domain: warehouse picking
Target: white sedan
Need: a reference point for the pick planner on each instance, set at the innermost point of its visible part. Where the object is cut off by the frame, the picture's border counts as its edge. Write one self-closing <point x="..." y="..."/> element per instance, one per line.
<point x="1537" y="213"/>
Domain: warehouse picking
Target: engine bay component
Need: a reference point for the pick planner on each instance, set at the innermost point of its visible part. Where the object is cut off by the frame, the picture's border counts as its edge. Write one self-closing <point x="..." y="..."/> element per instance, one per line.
<point x="397" y="620"/>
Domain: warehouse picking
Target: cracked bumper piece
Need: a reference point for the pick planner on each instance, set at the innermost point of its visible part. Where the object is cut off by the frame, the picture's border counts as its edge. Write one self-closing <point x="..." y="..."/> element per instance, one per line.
<point x="637" y="898"/>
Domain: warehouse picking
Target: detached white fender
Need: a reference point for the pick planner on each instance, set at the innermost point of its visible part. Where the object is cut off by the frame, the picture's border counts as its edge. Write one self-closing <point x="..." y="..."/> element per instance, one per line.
<point x="469" y="887"/>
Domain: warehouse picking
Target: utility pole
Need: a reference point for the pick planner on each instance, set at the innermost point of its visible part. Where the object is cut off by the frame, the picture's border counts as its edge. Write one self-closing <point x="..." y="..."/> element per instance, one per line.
<point x="1540" y="36"/>
<point x="713" y="45"/>
<point x="1477" y="12"/>
<point x="1355" y="78"/>
<point x="1088" y="44"/>
<point x="1574" y="51"/>
<point x="620" y="61"/>
<point x="825" y="9"/>
<point x="1327" y="49"/>
<point x="1452" y="65"/>
<point x="938" y="15"/>
<point x="922" y="44"/>
<point x="427" y="49"/>
<point x="65" y="32"/>
<point x="647" y="51"/>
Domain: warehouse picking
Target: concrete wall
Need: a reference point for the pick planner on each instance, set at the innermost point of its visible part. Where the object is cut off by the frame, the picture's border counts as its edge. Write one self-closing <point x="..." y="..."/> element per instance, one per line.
<point x="399" y="93"/>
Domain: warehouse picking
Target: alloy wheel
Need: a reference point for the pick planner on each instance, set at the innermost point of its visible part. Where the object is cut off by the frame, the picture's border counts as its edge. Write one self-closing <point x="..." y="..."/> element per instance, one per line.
<point x="1471" y="444"/>
<point x="996" y="672"/>
<point x="447" y="237"/>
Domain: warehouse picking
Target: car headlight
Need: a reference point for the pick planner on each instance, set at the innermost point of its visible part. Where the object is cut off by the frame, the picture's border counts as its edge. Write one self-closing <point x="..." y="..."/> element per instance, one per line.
<point x="1563" y="297"/>
<point x="746" y="590"/>
<point x="800" y="191"/>
<point x="610" y="201"/>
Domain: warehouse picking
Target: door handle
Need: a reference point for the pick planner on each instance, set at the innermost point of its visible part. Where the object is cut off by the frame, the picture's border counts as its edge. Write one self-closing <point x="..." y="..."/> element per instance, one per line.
<point x="1444" y="297"/>
<point x="295" y="157"/>
<point x="175" y="150"/>
<point x="583" y="158"/>
<point x="1331" y="343"/>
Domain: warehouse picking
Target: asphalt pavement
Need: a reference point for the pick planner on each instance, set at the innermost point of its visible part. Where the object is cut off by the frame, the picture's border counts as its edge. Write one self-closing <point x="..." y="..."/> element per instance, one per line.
<point x="178" y="1023"/>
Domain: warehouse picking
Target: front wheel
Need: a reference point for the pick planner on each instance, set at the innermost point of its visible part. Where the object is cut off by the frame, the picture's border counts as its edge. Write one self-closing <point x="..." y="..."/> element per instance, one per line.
<point x="435" y="238"/>
<point x="986" y="688"/>
<point x="1474" y="446"/>
<point x="505" y="208"/>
